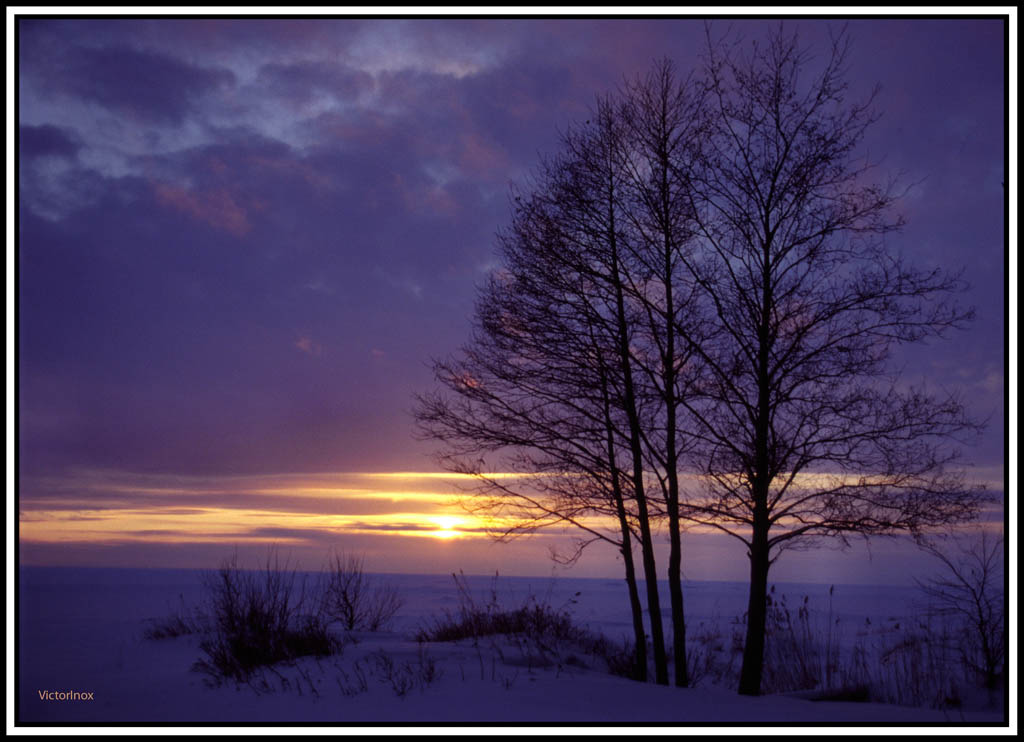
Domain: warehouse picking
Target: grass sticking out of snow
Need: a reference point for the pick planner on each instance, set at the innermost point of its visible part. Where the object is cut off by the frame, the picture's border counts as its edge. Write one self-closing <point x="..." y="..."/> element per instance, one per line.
<point x="81" y="629"/>
<point x="811" y="654"/>
<point x="260" y="619"/>
<point x="540" y="635"/>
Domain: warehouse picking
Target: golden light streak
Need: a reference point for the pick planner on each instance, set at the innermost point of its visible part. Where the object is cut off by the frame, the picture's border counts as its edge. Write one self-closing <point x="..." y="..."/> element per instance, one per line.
<point x="226" y="524"/>
<point x="175" y="509"/>
<point x="402" y="475"/>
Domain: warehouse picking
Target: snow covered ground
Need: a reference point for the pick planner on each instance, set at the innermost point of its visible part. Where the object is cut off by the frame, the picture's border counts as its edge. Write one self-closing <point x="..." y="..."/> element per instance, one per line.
<point x="82" y="630"/>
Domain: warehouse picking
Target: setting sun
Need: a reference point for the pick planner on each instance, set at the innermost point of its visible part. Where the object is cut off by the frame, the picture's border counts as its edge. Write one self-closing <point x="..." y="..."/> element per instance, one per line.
<point x="446" y="526"/>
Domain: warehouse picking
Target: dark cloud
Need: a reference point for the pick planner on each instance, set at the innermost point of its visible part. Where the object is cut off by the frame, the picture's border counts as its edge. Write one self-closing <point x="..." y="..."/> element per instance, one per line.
<point x="233" y="257"/>
<point x="393" y="527"/>
<point x="145" y="85"/>
<point x="47" y="141"/>
<point x="171" y="503"/>
<point x="304" y="81"/>
<point x="305" y="534"/>
<point x="415" y="527"/>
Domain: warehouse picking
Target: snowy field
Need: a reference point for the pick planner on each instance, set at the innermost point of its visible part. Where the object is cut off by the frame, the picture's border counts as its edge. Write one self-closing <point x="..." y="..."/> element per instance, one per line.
<point x="84" y="631"/>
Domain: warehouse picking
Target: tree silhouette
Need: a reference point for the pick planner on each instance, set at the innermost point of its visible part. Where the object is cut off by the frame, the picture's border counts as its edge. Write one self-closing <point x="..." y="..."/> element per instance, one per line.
<point x="804" y="431"/>
<point x="543" y="387"/>
<point x="694" y="322"/>
<point x="664" y="130"/>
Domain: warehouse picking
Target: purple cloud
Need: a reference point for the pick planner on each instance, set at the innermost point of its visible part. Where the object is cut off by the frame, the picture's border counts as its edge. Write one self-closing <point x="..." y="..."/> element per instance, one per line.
<point x="303" y="82"/>
<point x="240" y="241"/>
<point x="46" y="141"/>
<point x="144" y="86"/>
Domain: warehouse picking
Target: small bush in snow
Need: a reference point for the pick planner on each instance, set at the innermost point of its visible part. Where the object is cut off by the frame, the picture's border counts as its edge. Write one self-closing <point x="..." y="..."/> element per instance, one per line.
<point x="351" y="598"/>
<point x="258" y="619"/>
<point x="182" y="622"/>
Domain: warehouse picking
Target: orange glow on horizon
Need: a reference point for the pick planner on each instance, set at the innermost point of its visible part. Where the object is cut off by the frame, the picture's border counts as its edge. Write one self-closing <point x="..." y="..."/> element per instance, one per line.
<point x="109" y="507"/>
<point x="121" y="507"/>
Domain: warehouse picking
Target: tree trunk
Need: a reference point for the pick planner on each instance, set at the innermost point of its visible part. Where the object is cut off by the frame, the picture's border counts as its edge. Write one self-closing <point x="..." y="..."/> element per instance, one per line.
<point x="753" y="648"/>
<point x="653" y="602"/>
<point x="675" y="558"/>
<point x="636" y="448"/>
<point x="757" y="612"/>
<point x="675" y="586"/>
<point x="639" y="637"/>
<point x="646" y="538"/>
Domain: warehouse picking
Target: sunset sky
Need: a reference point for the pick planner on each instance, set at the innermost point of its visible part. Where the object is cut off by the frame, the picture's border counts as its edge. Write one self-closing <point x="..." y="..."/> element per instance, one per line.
<point x="241" y="242"/>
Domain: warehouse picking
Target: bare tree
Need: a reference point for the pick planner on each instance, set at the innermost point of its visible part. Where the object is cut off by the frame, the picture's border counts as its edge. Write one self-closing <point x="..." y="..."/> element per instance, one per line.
<point x="595" y="219"/>
<point x="538" y="390"/>
<point x="699" y="284"/>
<point x="970" y="590"/>
<point x="803" y="431"/>
<point x="660" y="114"/>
